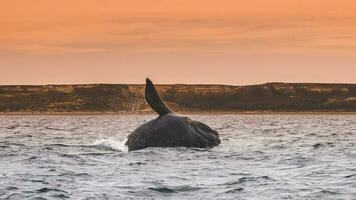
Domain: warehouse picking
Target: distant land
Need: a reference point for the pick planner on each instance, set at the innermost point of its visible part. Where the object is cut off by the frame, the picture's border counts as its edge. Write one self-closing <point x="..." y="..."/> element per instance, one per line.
<point x="128" y="98"/>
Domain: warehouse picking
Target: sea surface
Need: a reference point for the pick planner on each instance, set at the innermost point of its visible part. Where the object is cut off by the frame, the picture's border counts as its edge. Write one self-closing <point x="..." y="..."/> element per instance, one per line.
<point x="260" y="157"/>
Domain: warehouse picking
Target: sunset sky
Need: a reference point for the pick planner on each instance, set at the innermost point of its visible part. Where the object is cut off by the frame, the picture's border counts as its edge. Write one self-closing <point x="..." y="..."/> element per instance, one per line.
<point x="234" y="42"/>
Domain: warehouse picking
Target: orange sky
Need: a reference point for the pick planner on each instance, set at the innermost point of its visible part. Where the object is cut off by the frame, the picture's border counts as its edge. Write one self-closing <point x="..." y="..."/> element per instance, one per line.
<point x="175" y="41"/>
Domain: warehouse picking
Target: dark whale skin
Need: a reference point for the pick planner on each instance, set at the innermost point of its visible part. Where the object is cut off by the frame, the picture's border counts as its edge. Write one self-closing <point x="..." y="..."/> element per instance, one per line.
<point x="169" y="129"/>
<point x="172" y="130"/>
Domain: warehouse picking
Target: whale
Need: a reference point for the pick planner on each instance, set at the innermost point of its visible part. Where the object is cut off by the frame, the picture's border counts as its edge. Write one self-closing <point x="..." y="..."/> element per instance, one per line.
<point x="170" y="129"/>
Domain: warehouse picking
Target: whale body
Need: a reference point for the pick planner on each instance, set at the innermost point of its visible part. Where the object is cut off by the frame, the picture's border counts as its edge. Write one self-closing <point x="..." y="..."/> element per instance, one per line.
<point x="170" y="129"/>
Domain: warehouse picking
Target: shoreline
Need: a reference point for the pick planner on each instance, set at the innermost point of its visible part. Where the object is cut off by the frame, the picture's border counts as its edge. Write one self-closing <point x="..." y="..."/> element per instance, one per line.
<point x="186" y="113"/>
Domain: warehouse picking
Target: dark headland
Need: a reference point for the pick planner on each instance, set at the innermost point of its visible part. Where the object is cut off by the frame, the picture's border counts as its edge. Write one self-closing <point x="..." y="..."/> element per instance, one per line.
<point x="128" y="98"/>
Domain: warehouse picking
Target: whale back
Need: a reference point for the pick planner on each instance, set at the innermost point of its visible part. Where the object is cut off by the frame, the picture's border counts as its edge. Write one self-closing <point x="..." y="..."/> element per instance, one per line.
<point x="172" y="130"/>
<point x="154" y="100"/>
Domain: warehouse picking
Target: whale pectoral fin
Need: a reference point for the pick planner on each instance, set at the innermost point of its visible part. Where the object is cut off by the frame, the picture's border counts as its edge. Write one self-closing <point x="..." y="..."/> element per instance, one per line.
<point x="154" y="100"/>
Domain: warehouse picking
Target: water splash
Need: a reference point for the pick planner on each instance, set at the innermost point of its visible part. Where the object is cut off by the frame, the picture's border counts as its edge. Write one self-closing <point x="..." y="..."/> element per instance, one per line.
<point x="111" y="144"/>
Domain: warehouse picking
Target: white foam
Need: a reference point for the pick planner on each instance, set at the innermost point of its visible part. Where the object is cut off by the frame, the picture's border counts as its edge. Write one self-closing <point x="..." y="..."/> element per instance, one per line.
<point x="111" y="144"/>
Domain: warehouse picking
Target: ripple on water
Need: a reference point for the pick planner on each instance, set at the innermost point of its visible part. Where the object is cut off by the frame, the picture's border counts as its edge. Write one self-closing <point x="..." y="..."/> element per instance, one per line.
<point x="236" y="190"/>
<point x="174" y="189"/>
<point x="45" y="190"/>
<point x="36" y="181"/>
<point x="75" y="174"/>
<point x="11" y="188"/>
<point x="260" y="157"/>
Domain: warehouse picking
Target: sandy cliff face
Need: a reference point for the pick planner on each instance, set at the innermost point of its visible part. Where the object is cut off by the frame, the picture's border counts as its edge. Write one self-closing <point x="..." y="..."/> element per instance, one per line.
<point x="182" y="98"/>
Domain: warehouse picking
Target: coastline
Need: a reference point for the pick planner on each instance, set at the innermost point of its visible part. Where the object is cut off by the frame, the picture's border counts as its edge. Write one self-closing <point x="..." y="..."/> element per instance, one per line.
<point x="128" y="99"/>
<point x="186" y="113"/>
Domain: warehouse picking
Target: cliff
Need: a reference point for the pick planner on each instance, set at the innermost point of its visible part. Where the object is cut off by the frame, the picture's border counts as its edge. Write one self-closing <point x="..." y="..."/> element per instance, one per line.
<point x="124" y="98"/>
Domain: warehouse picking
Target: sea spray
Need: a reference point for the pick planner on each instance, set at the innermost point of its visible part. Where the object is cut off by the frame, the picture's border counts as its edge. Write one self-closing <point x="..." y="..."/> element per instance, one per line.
<point x="111" y="144"/>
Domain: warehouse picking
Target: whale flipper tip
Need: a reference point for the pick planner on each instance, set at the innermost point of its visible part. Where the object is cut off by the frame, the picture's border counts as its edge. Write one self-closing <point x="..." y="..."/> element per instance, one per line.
<point x="154" y="100"/>
<point x="148" y="81"/>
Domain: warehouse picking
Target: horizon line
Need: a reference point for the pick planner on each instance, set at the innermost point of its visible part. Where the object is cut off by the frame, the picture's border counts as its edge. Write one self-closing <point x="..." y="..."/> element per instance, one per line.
<point x="197" y="84"/>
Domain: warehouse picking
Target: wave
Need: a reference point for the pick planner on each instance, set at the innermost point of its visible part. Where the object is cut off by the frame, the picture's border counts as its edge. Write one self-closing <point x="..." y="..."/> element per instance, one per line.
<point x="235" y="190"/>
<point x="174" y="189"/>
<point x="103" y="144"/>
<point x="45" y="190"/>
<point x="111" y="144"/>
<point x="65" y="145"/>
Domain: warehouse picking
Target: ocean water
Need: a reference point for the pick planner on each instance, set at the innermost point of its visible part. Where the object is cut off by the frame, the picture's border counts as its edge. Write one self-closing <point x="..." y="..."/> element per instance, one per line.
<point x="260" y="157"/>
